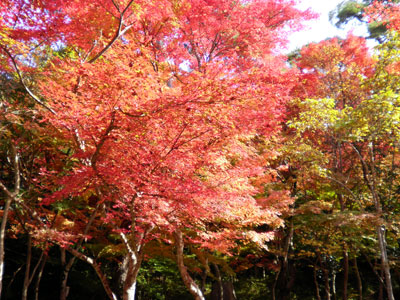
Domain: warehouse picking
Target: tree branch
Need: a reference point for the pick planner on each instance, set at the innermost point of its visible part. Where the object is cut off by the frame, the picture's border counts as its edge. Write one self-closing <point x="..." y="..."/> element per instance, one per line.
<point x="118" y="33"/>
<point x="30" y="93"/>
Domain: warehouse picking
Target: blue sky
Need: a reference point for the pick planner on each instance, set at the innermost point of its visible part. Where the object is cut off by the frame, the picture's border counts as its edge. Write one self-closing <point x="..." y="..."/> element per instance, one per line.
<point x="321" y="28"/>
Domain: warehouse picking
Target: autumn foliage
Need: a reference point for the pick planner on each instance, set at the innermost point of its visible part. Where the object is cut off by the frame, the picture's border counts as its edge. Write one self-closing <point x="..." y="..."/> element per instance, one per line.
<point x="134" y="130"/>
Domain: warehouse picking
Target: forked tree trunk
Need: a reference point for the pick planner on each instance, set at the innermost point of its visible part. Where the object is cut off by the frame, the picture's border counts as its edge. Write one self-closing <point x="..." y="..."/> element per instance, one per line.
<point x="187" y="279"/>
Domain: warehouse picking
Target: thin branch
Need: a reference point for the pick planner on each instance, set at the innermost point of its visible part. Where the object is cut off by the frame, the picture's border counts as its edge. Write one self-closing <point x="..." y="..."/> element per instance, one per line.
<point x="102" y="140"/>
<point x="30" y="93"/>
<point x="345" y="187"/>
<point x="364" y="166"/>
<point x="97" y="268"/>
<point x="118" y="33"/>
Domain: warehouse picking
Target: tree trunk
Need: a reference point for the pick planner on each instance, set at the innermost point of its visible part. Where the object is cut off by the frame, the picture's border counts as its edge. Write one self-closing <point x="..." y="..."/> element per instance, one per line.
<point x="229" y="291"/>
<point x="345" y="273"/>
<point x="2" y="235"/>
<point x="359" y="282"/>
<point x="385" y="261"/>
<point x="219" y="281"/>
<point x="27" y="269"/>
<point x="39" y="277"/>
<point x="130" y="278"/>
<point x="10" y="196"/>
<point x="187" y="279"/>
<point x="327" y="288"/>
<point x="64" y="289"/>
<point x="274" y="285"/>
<point x="203" y="281"/>
<point x="334" y="286"/>
<point x="285" y="279"/>
<point x="316" y="283"/>
<point x="370" y="178"/>
<point x="381" y="286"/>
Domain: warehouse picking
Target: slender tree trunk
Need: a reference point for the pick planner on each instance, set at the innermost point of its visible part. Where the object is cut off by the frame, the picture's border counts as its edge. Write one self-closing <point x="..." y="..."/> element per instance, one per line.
<point x="334" y="286"/>
<point x="64" y="290"/>
<point x="203" y="281"/>
<point x="39" y="277"/>
<point x="274" y="285"/>
<point x="187" y="279"/>
<point x="327" y="287"/>
<point x="370" y="178"/>
<point x="380" y="229"/>
<point x="2" y="238"/>
<point x="385" y="261"/>
<point x="381" y="287"/>
<point x="345" y="273"/>
<point x="27" y="269"/>
<point x="359" y="281"/>
<point x="10" y="196"/>
<point x="284" y="281"/>
<point x="316" y="283"/>
<point x="219" y="280"/>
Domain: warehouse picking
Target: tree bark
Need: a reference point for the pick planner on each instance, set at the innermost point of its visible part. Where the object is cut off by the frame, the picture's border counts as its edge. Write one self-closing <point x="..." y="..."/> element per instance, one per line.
<point x="132" y="271"/>
<point x="381" y="287"/>
<point x="2" y="235"/>
<point x="316" y="283"/>
<point x="39" y="277"/>
<point x="385" y="261"/>
<point x="27" y="269"/>
<point x="285" y="279"/>
<point x="187" y="279"/>
<point x="64" y="289"/>
<point x="219" y="281"/>
<point x="345" y="273"/>
<point x="334" y="286"/>
<point x="359" y="281"/>
<point x="327" y="287"/>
